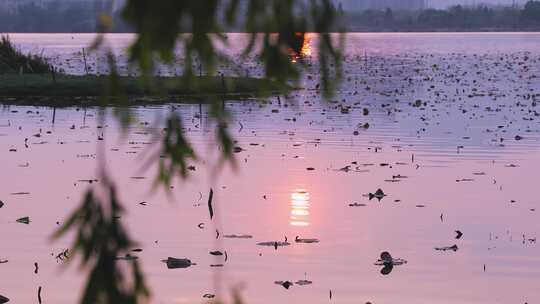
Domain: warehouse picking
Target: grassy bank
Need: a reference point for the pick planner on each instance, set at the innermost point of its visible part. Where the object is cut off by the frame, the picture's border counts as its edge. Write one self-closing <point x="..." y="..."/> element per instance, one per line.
<point x="69" y="90"/>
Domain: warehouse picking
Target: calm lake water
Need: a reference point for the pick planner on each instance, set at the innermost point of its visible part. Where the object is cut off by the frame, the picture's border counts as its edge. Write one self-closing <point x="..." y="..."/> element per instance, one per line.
<point x="464" y="157"/>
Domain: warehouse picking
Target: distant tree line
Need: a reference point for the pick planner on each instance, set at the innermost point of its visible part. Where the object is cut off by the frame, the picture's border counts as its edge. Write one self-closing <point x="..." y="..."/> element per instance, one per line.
<point x="56" y="17"/>
<point x="80" y="17"/>
<point x="455" y="18"/>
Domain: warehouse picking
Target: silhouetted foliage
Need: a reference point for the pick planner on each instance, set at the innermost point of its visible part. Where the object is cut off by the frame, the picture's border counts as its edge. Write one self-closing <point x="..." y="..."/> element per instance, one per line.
<point x="101" y="240"/>
<point x="278" y="30"/>
<point x="58" y="17"/>
<point x="531" y="12"/>
<point x="14" y="61"/>
<point x="455" y="18"/>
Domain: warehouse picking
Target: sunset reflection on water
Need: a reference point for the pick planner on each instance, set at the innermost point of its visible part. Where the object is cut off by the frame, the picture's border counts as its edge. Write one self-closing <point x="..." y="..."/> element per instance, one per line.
<point x="300" y="203"/>
<point x="305" y="51"/>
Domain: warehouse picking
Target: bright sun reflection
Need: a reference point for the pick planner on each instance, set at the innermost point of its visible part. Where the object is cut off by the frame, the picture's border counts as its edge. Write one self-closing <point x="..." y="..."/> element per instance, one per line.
<point x="306" y="47"/>
<point x="305" y="51"/>
<point x="300" y="208"/>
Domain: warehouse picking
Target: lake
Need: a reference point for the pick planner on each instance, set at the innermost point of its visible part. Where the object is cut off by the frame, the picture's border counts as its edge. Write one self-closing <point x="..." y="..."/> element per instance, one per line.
<point x="451" y="136"/>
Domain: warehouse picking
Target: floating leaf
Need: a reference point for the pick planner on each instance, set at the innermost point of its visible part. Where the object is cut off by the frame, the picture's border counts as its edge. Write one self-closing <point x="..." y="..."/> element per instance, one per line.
<point x="24" y="220"/>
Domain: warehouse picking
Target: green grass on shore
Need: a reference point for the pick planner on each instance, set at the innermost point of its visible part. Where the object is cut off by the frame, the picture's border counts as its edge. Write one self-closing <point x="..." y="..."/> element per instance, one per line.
<point x="36" y="88"/>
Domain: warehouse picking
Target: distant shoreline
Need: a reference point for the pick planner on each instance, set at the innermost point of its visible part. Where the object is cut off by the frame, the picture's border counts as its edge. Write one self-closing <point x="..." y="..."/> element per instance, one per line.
<point x="351" y="31"/>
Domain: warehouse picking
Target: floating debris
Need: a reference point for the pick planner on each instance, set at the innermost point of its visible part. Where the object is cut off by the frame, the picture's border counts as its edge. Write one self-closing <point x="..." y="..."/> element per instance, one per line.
<point x="238" y="236"/>
<point x="447" y="248"/>
<point x="274" y="244"/>
<point x="345" y="169"/>
<point x="209" y="296"/>
<point x="90" y="181"/>
<point x="379" y="194"/>
<point x="216" y="253"/>
<point x="388" y="262"/>
<point x="386" y="258"/>
<point x="3" y="299"/>
<point x="357" y="205"/>
<point x="216" y="265"/>
<point x="297" y="239"/>
<point x="459" y="234"/>
<point x="303" y="282"/>
<point x="20" y="193"/>
<point x="285" y="284"/>
<point x="1" y="204"/>
<point x="174" y="263"/>
<point x="210" y="208"/>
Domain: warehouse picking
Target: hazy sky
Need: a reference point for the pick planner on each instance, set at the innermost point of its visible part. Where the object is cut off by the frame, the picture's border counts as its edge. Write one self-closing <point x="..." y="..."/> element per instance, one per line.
<point x="446" y="3"/>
